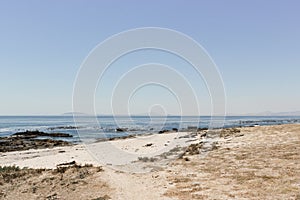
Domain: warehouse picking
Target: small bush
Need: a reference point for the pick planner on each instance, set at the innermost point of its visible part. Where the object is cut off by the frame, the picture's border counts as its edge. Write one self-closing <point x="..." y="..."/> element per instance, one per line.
<point x="6" y="169"/>
<point x="146" y="159"/>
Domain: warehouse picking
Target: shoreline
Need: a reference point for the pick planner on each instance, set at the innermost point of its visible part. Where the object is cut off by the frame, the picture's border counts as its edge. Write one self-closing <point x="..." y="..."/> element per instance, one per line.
<point x="133" y="145"/>
<point x="134" y="148"/>
<point x="260" y="162"/>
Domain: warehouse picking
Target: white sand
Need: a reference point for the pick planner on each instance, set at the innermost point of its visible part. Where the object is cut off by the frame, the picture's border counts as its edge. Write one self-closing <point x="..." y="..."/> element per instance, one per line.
<point x="111" y="153"/>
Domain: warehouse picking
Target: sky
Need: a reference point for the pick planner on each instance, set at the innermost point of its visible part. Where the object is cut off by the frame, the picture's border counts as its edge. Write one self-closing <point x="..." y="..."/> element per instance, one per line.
<point x="255" y="45"/>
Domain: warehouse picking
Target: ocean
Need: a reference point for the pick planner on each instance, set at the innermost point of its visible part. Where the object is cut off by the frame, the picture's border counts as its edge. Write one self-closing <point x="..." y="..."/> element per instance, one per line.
<point x="89" y="129"/>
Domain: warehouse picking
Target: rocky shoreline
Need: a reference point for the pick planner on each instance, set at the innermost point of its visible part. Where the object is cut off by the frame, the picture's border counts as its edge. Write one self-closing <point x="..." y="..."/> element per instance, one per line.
<point x="31" y="140"/>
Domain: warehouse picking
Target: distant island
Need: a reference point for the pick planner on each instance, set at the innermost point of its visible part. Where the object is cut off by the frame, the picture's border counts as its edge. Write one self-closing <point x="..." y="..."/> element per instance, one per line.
<point x="74" y="113"/>
<point x="270" y="113"/>
<point x="265" y="113"/>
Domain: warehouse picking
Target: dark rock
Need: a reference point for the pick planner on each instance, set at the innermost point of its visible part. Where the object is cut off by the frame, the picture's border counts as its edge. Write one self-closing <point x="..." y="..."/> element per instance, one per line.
<point x="186" y="159"/>
<point x="163" y="131"/>
<point x="148" y="145"/>
<point x="202" y="129"/>
<point x="203" y="135"/>
<point x="120" y="130"/>
<point x="17" y="143"/>
<point x="63" y="127"/>
<point x="66" y="164"/>
<point x="175" y="129"/>
<point x="34" y="134"/>
<point x="59" y="135"/>
<point x="133" y="129"/>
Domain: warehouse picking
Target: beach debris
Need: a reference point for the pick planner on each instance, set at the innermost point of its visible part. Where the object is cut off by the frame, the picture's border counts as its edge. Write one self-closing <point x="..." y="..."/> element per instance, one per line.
<point x="67" y="164"/>
<point x="149" y="145"/>
<point x="155" y="176"/>
<point x="52" y="197"/>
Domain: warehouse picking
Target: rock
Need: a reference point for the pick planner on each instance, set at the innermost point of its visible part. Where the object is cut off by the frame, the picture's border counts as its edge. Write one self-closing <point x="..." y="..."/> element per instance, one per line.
<point x="148" y="145"/>
<point x="67" y="164"/>
<point x="186" y="159"/>
<point x="34" y="134"/>
<point x="202" y="129"/>
<point x="163" y="131"/>
<point x="59" y="135"/>
<point x="120" y="130"/>
<point x="63" y="127"/>
<point x="203" y="135"/>
<point x="16" y="143"/>
<point x="175" y="129"/>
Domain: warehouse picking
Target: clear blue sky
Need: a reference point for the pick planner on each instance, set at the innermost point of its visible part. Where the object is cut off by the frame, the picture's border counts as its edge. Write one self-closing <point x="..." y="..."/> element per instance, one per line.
<point x="255" y="44"/>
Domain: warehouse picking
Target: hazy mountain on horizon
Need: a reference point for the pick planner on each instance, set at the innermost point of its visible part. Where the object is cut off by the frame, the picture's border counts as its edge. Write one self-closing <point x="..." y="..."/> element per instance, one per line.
<point x="265" y="113"/>
<point x="270" y="113"/>
<point x="74" y="113"/>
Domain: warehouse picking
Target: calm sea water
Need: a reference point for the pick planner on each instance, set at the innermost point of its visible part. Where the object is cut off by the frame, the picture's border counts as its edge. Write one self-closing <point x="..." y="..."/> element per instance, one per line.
<point x="91" y="128"/>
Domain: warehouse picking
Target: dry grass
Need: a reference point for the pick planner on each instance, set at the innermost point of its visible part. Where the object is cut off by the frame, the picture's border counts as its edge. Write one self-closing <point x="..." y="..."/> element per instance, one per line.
<point x="68" y="182"/>
<point x="263" y="164"/>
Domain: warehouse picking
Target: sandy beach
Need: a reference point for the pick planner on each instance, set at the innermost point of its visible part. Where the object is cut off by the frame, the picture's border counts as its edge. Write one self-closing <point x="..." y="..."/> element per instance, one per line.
<point x="260" y="162"/>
